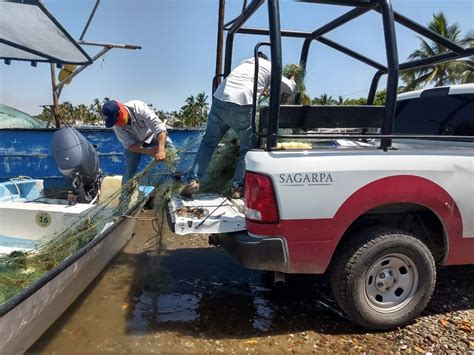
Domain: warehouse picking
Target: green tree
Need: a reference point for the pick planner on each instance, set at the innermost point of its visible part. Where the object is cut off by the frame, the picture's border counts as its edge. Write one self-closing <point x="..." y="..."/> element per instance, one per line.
<point x="80" y="114"/>
<point x="358" y="101"/>
<point x="324" y="99"/>
<point x="452" y="72"/>
<point x="194" y="112"/>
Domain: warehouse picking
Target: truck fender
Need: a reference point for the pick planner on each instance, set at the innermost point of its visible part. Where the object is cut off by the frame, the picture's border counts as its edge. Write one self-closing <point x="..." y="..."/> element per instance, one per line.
<point x="415" y="190"/>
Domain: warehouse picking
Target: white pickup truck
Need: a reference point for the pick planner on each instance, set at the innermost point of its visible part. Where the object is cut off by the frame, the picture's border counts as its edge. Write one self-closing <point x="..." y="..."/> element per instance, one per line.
<point x="376" y="217"/>
<point x="378" y="221"/>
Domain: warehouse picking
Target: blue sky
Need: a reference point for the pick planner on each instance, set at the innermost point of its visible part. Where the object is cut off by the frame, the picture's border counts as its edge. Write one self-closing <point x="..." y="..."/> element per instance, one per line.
<point x="179" y="47"/>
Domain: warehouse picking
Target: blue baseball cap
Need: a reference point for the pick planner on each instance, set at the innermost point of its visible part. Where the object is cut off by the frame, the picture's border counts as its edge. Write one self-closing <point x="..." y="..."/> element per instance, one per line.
<point x="110" y="110"/>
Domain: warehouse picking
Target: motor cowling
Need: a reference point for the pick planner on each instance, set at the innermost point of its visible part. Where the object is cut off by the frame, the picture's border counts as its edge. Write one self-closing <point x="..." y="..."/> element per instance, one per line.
<point x="78" y="161"/>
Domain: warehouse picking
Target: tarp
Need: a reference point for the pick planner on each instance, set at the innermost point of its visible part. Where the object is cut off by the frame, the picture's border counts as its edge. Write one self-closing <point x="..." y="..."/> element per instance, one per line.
<point x="13" y="118"/>
<point x="29" y="32"/>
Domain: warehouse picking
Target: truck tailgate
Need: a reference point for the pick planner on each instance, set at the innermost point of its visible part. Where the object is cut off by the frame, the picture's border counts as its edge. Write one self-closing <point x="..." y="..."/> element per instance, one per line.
<point x="205" y="214"/>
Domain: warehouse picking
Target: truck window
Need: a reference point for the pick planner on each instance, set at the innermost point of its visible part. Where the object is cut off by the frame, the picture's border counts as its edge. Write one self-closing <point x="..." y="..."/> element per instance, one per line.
<point x="436" y="115"/>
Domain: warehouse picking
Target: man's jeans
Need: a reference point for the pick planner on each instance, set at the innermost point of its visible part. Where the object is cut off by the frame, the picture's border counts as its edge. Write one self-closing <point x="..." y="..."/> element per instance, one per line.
<point x="132" y="159"/>
<point x="225" y="115"/>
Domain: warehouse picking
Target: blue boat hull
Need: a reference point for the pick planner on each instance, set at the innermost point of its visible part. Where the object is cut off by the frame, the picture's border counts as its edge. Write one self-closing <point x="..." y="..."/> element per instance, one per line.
<point x="27" y="152"/>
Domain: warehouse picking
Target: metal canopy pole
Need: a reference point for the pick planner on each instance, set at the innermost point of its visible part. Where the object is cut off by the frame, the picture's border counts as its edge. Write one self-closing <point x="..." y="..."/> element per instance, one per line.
<point x="57" y="89"/>
<point x="76" y="72"/>
<point x="89" y="20"/>
<point x="275" y="85"/>
<point x="392" y="63"/>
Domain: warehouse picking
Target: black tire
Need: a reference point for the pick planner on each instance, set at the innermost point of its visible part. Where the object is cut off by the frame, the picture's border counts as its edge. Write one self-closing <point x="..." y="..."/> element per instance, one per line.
<point x="383" y="278"/>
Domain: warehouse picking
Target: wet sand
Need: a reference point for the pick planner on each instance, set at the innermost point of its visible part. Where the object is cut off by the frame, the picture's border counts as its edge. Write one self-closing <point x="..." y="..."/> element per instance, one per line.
<point x="178" y="294"/>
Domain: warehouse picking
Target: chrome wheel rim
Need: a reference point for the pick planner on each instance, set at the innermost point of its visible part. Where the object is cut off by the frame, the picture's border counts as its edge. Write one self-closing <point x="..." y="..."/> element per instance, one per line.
<point x="390" y="283"/>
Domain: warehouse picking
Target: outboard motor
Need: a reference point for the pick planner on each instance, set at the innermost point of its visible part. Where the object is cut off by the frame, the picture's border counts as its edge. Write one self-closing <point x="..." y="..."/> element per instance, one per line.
<point x="78" y="162"/>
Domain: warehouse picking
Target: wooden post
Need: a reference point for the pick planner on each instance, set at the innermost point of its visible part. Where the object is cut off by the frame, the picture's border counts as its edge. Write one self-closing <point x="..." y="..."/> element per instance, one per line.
<point x="55" y="107"/>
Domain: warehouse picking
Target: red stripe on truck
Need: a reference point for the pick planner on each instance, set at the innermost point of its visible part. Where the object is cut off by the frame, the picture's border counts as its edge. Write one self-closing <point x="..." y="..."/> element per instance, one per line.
<point x="312" y="242"/>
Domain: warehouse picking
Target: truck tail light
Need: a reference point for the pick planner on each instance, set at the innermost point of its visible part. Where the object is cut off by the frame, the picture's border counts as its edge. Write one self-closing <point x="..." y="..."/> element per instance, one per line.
<point x="260" y="199"/>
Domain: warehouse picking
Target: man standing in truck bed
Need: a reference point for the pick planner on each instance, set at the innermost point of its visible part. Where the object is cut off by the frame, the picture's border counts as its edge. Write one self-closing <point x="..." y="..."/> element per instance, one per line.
<point x="232" y="108"/>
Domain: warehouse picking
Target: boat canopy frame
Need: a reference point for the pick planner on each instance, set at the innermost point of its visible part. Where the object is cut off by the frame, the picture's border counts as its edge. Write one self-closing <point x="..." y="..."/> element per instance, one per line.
<point x="385" y="114"/>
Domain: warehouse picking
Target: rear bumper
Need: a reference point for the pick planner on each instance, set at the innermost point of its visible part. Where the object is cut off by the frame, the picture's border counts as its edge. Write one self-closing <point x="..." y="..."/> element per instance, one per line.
<point x="263" y="253"/>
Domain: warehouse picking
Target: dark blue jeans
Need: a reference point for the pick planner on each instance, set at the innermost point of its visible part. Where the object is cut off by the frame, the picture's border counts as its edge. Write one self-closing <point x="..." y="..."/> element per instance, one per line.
<point x="225" y="115"/>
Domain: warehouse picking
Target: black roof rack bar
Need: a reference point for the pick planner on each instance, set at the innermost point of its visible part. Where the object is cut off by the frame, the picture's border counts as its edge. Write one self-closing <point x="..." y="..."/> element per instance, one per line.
<point x="391" y="51"/>
<point x="265" y="32"/>
<point x="426" y="32"/>
<point x="358" y="3"/>
<point x="275" y="83"/>
<point x="352" y="54"/>
<point x="324" y="40"/>
<point x="228" y="24"/>
<point x="244" y="5"/>
<point x="436" y="59"/>
<point x="244" y="15"/>
<point x="444" y="57"/>
<point x="237" y="24"/>
<point x="359" y="7"/>
<point x="373" y="86"/>
<point x="341" y="20"/>
<point x="377" y="136"/>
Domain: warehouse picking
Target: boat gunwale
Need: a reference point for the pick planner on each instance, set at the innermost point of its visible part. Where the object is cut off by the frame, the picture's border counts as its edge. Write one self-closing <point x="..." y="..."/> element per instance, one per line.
<point x="50" y="275"/>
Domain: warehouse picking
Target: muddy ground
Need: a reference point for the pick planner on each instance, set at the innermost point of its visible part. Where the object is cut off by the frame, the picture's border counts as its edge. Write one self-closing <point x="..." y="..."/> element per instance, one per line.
<point x="178" y="294"/>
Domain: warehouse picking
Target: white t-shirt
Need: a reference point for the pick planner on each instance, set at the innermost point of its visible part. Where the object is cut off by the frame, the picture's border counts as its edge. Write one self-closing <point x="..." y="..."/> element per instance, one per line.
<point x="144" y="125"/>
<point x="238" y="86"/>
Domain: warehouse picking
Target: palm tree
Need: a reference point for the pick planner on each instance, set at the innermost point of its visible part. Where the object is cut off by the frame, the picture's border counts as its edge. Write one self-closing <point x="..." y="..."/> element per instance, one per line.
<point x="324" y="99"/>
<point x="443" y="73"/>
<point x="194" y="112"/>
<point x="201" y="103"/>
<point x="467" y="75"/>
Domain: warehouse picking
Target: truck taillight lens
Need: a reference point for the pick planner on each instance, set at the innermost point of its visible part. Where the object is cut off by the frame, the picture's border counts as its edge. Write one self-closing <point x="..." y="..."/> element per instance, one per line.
<point x="260" y="199"/>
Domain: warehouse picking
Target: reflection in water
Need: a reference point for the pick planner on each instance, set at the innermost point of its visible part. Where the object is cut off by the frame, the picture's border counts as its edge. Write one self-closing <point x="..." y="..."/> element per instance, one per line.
<point x="201" y="301"/>
<point x="264" y="313"/>
<point x="205" y="291"/>
<point x="177" y="308"/>
<point x="138" y="321"/>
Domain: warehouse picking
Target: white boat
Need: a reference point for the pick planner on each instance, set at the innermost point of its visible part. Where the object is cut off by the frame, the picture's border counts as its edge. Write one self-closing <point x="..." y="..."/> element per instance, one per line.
<point x="27" y="315"/>
<point x="30" y="222"/>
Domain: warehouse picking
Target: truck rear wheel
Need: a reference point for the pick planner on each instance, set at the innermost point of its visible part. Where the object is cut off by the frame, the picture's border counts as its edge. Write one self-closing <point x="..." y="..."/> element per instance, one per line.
<point x="384" y="278"/>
